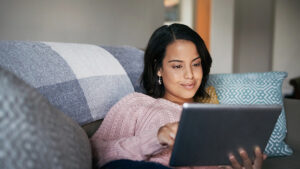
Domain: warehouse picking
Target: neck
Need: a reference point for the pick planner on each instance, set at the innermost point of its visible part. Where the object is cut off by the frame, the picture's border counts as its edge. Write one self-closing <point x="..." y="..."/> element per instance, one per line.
<point x="178" y="101"/>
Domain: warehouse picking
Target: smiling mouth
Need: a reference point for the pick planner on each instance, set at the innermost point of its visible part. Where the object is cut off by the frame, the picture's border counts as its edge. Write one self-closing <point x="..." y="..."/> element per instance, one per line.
<point x="188" y="86"/>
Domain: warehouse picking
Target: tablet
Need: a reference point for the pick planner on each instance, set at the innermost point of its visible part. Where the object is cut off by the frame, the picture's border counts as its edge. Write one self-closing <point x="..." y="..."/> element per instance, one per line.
<point x="207" y="133"/>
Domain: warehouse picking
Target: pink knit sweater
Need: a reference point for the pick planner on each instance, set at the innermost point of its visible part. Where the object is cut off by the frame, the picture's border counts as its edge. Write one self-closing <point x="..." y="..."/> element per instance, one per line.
<point x="129" y="130"/>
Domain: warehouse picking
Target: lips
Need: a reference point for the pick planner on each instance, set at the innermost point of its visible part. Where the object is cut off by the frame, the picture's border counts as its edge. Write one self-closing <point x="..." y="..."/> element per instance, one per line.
<point x="188" y="85"/>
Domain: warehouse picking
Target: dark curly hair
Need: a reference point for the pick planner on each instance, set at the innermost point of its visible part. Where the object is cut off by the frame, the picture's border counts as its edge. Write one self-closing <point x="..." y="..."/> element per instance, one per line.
<point x="155" y="53"/>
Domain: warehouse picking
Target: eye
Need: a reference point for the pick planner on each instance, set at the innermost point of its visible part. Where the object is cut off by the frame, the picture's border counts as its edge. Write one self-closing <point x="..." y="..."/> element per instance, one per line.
<point x="197" y="64"/>
<point x="176" y="66"/>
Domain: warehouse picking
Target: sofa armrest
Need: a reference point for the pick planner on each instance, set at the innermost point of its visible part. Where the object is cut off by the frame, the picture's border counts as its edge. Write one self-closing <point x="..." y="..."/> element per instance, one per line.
<point x="292" y="107"/>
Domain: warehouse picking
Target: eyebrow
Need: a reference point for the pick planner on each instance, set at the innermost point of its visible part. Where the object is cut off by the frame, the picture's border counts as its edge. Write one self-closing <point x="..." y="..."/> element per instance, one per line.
<point x="182" y="61"/>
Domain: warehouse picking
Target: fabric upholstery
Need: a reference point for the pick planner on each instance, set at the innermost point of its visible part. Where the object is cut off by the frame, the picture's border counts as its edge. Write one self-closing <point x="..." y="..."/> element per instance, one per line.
<point x="255" y="88"/>
<point x="81" y="80"/>
<point x="35" y="135"/>
<point x="132" y="59"/>
<point x="292" y="107"/>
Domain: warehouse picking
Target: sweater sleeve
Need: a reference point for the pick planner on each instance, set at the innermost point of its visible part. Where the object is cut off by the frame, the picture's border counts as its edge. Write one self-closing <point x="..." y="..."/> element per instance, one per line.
<point x="117" y="138"/>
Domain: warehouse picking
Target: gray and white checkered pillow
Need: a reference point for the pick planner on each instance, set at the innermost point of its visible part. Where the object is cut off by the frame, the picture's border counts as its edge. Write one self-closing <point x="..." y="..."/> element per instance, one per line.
<point x="83" y="81"/>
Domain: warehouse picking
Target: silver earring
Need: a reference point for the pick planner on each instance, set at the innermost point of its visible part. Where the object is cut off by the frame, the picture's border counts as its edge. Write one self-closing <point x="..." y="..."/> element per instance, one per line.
<point x="159" y="80"/>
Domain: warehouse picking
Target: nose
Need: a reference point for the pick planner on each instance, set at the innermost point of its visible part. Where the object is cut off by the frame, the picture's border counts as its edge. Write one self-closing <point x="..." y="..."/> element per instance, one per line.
<point x="188" y="73"/>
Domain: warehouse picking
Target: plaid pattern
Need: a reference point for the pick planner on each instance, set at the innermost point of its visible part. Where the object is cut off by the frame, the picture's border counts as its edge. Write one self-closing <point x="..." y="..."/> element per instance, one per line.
<point x="132" y="60"/>
<point x="81" y="80"/>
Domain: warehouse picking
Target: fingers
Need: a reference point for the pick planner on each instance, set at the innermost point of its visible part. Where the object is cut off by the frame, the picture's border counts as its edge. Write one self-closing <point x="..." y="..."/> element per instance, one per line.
<point x="265" y="156"/>
<point x="225" y="167"/>
<point x="259" y="157"/>
<point x="246" y="160"/>
<point x="166" y="134"/>
<point x="174" y="127"/>
<point x="235" y="164"/>
<point x="247" y="163"/>
<point x="166" y="141"/>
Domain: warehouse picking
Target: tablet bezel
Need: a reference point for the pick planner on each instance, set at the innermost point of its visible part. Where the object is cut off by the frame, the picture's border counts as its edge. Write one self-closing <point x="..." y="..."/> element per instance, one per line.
<point x="207" y="133"/>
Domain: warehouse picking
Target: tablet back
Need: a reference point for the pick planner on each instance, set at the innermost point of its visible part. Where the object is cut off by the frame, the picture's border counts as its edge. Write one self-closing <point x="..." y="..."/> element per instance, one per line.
<point x="207" y="133"/>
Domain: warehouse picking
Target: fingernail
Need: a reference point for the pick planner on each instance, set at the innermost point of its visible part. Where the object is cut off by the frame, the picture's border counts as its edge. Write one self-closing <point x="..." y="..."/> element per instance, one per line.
<point x="172" y="135"/>
<point x="241" y="150"/>
<point x="231" y="156"/>
<point x="257" y="148"/>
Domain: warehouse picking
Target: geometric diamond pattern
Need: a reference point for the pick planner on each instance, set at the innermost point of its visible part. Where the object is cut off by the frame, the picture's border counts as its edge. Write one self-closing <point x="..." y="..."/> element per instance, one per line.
<point x="255" y="88"/>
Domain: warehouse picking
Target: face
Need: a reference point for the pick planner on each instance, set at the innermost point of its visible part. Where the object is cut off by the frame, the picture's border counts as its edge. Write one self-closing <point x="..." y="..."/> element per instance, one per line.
<point x="181" y="71"/>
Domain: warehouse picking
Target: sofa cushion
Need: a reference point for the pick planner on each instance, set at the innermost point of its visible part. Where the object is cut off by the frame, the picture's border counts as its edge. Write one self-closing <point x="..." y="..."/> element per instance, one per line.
<point x="255" y="88"/>
<point x="288" y="162"/>
<point x="132" y="59"/>
<point x="292" y="107"/>
<point x="33" y="134"/>
<point x="92" y="127"/>
<point x="83" y="81"/>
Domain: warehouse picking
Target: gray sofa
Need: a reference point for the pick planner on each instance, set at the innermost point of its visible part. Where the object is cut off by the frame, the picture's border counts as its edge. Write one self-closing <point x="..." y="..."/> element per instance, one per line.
<point x="54" y="96"/>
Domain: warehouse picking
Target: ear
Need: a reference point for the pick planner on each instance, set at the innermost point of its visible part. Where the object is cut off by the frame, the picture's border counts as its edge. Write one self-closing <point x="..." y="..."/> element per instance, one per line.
<point x="159" y="72"/>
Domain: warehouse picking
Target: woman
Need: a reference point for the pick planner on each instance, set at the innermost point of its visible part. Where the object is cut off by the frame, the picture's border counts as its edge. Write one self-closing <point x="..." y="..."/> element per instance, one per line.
<point x="139" y="131"/>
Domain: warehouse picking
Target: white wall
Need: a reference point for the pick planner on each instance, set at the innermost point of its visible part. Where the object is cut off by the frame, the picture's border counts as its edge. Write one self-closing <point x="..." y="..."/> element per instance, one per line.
<point x="242" y="35"/>
<point x="108" y="22"/>
<point x="222" y="29"/>
<point x="286" y="45"/>
<point x="187" y="12"/>
<point x="256" y="36"/>
<point x="253" y="35"/>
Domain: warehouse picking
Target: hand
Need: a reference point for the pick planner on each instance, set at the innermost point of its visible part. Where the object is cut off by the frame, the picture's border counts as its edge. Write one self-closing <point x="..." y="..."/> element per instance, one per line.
<point x="247" y="163"/>
<point x="166" y="134"/>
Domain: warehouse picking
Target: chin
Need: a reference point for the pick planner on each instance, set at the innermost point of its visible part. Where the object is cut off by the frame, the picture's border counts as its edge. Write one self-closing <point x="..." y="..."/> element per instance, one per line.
<point x="189" y="95"/>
